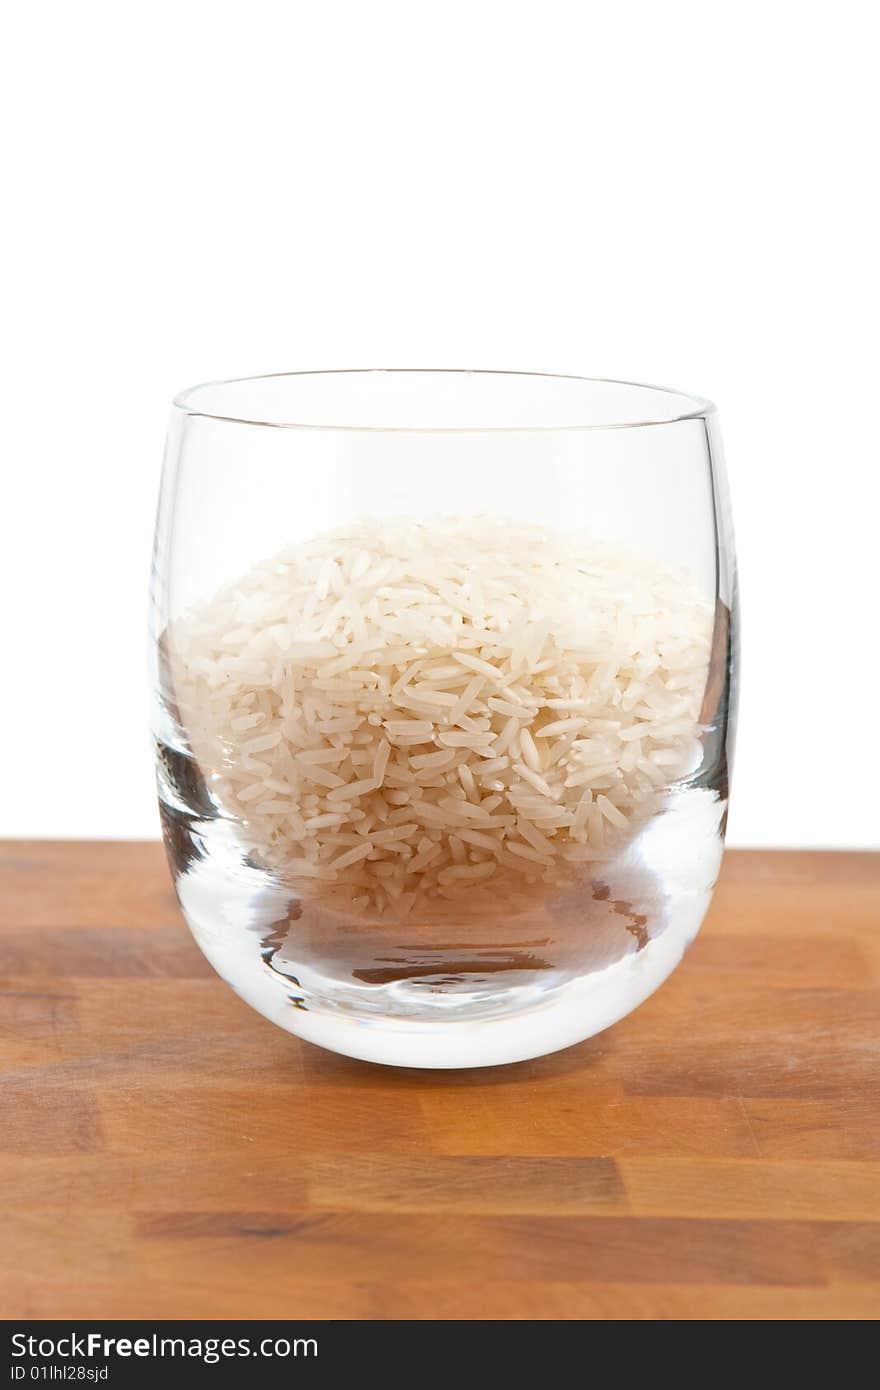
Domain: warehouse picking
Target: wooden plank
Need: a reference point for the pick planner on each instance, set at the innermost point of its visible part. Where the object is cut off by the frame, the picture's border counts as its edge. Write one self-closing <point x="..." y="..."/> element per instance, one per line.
<point x="751" y="1188"/>
<point x="545" y="1186"/>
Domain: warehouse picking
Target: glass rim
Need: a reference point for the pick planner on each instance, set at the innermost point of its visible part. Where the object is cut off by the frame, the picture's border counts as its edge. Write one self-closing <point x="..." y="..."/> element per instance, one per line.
<point x="698" y="407"/>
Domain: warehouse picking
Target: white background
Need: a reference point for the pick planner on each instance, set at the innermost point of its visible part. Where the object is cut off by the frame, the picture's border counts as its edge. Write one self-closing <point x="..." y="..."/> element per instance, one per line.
<point x="672" y="192"/>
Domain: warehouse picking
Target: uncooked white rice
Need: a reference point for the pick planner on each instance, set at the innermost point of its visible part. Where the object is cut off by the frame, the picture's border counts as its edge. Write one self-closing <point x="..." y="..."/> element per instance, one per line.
<point x="455" y="715"/>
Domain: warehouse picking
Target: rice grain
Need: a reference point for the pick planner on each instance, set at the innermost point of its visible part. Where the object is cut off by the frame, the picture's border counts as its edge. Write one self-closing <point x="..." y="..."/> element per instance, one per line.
<point x="422" y="694"/>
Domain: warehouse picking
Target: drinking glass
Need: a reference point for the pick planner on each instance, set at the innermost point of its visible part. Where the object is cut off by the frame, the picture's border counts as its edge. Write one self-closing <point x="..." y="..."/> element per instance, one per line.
<point x="444" y="669"/>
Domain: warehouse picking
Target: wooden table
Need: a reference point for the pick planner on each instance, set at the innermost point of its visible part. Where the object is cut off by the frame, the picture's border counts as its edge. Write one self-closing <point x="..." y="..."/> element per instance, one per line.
<point x="165" y="1152"/>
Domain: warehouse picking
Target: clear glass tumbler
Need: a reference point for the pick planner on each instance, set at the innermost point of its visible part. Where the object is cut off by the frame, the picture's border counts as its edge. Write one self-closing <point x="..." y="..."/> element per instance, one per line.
<point x="444" y="670"/>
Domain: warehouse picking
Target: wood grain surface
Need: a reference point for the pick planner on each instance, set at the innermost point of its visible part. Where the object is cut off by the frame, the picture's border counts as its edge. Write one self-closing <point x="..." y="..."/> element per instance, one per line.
<point x="165" y="1152"/>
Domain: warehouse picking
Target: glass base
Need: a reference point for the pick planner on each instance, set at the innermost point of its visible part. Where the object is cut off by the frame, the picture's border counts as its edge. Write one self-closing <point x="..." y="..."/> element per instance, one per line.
<point x="429" y="1020"/>
<point x="514" y="1031"/>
